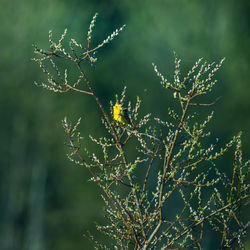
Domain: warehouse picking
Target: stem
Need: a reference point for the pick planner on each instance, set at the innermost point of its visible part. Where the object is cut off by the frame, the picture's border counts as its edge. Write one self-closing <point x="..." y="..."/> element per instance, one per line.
<point x="133" y="189"/>
<point x="149" y="167"/>
<point x="79" y="90"/>
<point x="165" y="173"/>
<point x="170" y="155"/>
<point x="97" y="100"/>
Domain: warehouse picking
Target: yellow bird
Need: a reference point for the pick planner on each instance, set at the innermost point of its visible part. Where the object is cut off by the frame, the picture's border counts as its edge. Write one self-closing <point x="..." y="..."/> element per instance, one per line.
<point x="120" y="114"/>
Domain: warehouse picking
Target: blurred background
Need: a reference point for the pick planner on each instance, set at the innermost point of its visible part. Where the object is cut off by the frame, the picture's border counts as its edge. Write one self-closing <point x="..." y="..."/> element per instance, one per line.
<point x="45" y="201"/>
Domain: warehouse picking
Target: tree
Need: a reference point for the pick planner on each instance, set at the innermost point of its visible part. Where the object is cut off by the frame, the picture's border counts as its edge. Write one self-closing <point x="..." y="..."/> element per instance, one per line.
<point x="149" y="164"/>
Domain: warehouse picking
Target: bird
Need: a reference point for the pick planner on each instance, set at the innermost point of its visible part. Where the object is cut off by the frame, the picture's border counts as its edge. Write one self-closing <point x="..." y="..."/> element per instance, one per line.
<point x="121" y="114"/>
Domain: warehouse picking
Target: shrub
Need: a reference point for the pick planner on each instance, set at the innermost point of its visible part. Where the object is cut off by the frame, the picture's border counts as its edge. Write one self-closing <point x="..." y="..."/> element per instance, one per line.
<point x="172" y="163"/>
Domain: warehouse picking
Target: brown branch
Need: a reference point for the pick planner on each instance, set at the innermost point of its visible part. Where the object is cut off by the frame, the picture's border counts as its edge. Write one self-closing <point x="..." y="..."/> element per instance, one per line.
<point x="79" y="90"/>
<point x="205" y="104"/>
<point x="149" y="167"/>
<point x="165" y="173"/>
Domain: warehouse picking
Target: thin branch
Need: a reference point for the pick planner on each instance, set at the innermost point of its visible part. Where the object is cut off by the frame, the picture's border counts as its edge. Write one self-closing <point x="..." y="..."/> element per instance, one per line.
<point x="195" y="224"/>
<point x="205" y="104"/>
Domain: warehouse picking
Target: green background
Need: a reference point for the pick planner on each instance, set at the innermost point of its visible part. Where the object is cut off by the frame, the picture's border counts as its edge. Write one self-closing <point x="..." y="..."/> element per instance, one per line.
<point x="45" y="201"/>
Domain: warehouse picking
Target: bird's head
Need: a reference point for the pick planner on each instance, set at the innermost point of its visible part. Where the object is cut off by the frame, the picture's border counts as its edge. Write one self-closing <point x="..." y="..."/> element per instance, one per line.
<point x="117" y="107"/>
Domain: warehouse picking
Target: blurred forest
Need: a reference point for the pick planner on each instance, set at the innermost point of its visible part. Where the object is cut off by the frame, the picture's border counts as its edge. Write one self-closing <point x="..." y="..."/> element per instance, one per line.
<point x="45" y="201"/>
